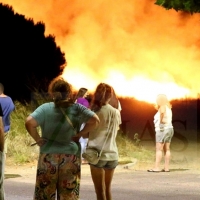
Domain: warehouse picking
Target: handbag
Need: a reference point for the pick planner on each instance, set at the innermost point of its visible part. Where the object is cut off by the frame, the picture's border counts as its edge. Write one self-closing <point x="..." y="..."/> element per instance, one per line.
<point x="92" y="155"/>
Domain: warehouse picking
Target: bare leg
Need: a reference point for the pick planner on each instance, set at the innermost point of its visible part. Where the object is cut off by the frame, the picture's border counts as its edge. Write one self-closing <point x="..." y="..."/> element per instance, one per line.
<point x="167" y="154"/>
<point x="108" y="179"/>
<point x="98" y="177"/>
<point x="159" y="152"/>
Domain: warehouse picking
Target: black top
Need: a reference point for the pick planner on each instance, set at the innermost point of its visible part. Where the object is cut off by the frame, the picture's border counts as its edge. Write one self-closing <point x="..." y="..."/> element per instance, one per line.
<point x="1" y="112"/>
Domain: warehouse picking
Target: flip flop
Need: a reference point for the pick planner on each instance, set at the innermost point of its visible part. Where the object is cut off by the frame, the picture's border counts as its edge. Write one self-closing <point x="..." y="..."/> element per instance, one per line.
<point x="151" y="170"/>
<point x="164" y="170"/>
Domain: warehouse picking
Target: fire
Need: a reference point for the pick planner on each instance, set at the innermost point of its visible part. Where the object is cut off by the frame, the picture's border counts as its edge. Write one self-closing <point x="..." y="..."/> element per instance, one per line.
<point x="139" y="87"/>
<point x="136" y="46"/>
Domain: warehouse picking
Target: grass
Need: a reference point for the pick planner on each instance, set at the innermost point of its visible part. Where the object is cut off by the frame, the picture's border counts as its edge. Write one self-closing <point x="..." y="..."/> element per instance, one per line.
<point x="19" y="141"/>
<point x="130" y="150"/>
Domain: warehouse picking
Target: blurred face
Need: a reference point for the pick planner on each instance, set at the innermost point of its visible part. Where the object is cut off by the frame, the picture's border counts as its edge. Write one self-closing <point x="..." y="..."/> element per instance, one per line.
<point x="161" y="100"/>
<point x="86" y="94"/>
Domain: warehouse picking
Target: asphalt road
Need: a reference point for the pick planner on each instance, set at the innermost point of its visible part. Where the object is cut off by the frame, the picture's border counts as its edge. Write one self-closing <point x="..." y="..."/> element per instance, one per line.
<point x="127" y="185"/>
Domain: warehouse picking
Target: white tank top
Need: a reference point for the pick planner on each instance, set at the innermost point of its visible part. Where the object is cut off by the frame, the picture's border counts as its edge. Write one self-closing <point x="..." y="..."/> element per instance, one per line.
<point x="167" y="119"/>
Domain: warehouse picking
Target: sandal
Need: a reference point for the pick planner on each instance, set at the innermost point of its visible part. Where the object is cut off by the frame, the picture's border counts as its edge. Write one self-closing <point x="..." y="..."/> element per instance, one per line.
<point x="151" y="170"/>
<point x="164" y="170"/>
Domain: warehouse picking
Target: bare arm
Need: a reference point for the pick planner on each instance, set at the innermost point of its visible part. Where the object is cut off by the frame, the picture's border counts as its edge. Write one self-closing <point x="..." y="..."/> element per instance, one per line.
<point x="91" y="124"/>
<point x="1" y="135"/>
<point x="31" y="126"/>
<point x="162" y="113"/>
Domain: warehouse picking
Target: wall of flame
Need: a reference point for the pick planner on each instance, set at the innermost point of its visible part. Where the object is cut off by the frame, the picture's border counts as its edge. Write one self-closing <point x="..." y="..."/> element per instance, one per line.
<point x="139" y="48"/>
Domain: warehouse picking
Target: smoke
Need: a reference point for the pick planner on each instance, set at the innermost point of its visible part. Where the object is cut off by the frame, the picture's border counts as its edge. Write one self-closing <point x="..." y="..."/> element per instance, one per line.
<point x="133" y="45"/>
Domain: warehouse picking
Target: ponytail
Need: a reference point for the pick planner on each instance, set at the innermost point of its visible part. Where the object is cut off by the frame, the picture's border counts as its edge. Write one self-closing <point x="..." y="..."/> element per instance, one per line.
<point x="102" y="95"/>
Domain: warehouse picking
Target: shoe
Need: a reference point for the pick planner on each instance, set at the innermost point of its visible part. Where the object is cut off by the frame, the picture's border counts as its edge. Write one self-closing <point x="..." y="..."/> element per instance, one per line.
<point x="151" y="170"/>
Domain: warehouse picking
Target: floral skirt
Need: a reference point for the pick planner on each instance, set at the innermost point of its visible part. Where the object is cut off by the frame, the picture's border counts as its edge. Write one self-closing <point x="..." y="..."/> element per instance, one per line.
<point x="58" y="175"/>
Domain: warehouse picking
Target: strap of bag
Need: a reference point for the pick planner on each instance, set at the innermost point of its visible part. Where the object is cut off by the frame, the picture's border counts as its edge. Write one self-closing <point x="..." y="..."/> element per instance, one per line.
<point x="68" y="120"/>
<point x="105" y="139"/>
<point x="104" y="144"/>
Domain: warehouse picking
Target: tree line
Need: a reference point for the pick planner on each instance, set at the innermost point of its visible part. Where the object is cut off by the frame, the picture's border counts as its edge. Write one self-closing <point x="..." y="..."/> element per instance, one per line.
<point x="29" y="60"/>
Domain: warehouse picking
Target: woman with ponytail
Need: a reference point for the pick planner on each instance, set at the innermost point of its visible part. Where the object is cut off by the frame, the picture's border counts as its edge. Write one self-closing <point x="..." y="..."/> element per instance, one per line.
<point x="110" y="119"/>
<point x="58" y="170"/>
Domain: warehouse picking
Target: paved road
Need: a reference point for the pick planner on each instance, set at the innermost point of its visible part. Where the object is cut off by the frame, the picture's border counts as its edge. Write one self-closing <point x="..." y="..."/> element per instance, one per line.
<point x="127" y="185"/>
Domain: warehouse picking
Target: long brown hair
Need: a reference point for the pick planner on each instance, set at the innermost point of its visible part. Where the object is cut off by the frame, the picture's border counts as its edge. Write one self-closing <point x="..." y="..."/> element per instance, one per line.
<point x="61" y="92"/>
<point x="102" y="95"/>
<point x="114" y="102"/>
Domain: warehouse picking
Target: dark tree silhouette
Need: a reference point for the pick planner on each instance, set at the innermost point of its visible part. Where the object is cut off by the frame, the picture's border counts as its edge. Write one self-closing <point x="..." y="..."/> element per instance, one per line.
<point x="190" y="6"/>
<point x="28" y="59"/>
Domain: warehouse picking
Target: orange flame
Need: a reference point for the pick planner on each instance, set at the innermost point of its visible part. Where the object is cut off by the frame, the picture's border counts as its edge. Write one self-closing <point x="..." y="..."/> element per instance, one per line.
<point x="139" y="48"/>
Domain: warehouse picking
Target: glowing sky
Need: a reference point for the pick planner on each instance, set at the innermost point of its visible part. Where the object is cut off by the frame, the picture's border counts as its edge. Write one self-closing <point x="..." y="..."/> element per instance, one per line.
<point x="139" y="48"/>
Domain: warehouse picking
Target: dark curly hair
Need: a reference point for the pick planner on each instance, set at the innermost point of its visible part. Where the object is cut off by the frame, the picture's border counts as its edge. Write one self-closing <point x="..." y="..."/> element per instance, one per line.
<point x="61" y="92"/>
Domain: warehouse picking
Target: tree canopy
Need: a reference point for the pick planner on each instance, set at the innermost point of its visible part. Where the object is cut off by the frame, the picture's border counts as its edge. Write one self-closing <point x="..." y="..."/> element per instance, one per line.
<point x="28" y="59"/>
<point x="191" y="6"/>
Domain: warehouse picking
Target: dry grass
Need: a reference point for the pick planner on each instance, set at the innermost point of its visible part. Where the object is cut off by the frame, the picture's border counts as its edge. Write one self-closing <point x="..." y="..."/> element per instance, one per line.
<point x="130" y="150"/>
<point x="19" y="141"/>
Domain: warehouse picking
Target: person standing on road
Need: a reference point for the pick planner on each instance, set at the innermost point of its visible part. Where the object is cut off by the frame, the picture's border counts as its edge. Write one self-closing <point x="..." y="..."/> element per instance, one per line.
<point x="7" y="108"/>
<point x="164" y="132"/>
<point x="81" y="99"/>
<point x="58" y="170"/>
<point x="110" y="119"/>
<point x="2" y="160"/>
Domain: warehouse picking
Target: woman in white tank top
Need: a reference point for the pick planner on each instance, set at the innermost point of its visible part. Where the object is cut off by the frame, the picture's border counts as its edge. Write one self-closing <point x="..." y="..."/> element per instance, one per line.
<point x="164" y="132"/>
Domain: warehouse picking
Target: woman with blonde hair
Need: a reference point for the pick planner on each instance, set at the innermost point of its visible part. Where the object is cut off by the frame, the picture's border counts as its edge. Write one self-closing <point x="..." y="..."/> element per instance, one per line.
<point x="164" y="132"/>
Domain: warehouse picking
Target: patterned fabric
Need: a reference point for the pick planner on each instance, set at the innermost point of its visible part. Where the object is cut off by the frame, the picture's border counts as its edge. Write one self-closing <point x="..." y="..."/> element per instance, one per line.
<point x="57" y="175"/>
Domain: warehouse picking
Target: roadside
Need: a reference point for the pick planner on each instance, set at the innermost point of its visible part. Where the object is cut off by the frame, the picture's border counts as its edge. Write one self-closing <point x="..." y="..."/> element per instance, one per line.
<point x="131" y="181"/>
<point x="28" y="170"/>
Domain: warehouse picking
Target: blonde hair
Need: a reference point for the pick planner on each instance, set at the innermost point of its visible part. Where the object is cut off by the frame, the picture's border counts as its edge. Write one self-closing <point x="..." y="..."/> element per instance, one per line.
<point x="166" y="102"/>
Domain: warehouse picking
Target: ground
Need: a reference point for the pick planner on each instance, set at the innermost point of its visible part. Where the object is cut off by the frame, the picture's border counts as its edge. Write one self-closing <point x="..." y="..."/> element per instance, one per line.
<point x="130" y="181"/>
